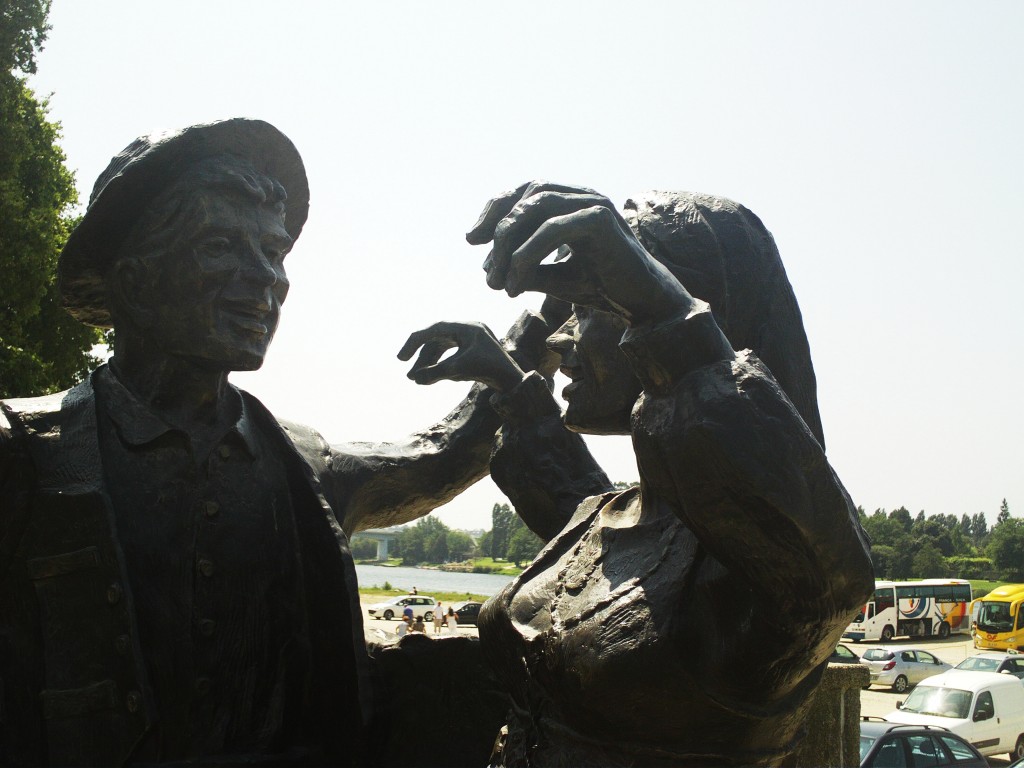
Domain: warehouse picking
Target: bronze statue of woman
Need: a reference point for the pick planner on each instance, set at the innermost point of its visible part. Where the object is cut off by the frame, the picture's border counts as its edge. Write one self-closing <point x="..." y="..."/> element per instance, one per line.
<point x="684" y="622"/>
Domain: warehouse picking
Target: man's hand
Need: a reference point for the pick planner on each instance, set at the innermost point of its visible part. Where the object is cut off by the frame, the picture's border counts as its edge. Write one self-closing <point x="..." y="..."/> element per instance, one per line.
<point x="479" y="356"/>
<point x="599" y="262"/>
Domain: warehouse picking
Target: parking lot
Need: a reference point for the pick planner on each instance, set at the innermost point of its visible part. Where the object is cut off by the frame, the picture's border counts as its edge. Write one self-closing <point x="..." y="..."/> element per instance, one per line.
<point x="880" y="701"/>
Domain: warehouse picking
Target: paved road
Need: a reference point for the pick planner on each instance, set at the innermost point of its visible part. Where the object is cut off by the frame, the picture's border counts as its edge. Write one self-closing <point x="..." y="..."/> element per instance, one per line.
<point x="880" y="701"/>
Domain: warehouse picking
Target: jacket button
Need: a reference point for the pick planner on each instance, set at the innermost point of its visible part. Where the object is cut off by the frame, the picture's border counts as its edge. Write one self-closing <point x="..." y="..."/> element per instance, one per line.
<point x="206" y="627"/>
<point x="211" y="508"/>
<point x="224" y="451"/>
<point x="122" y="644"/>
<point x="203" y="686"/>
<point x="206" y="567"/>
<point x="133" y="701"/>
<point x="114" y="593"/>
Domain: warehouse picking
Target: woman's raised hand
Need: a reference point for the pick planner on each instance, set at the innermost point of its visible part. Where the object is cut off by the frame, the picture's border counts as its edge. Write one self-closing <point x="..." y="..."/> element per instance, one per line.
<point x="479" y="356"/>
<point x="598" y="262"/>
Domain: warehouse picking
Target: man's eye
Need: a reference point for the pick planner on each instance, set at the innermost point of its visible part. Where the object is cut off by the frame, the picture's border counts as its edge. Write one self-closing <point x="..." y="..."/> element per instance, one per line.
<point x="215" y="247"/>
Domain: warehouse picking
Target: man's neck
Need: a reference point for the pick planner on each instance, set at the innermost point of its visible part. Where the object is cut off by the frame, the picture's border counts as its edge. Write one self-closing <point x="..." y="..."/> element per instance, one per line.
<point x="193" y="397"/>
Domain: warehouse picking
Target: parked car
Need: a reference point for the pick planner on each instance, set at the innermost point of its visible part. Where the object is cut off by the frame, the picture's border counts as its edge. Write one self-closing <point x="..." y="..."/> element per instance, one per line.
<point x="985" y="708"/>
<point x="843" y="655"/>
<point x="995" y="661"/>
<point x="422" y="605"/>
<point x="468" y="611"/>
<point x="901" y="668"/>
<point x="891" y="744"/>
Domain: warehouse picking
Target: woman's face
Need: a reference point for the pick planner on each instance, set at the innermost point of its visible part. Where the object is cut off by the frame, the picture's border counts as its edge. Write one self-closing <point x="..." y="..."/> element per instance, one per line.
<point x="603" y="387"/>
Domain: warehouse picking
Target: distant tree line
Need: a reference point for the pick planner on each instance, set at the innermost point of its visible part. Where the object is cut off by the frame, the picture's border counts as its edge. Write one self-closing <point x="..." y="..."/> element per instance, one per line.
<point x="904" y="546"/>
<point x="509" y="538"/>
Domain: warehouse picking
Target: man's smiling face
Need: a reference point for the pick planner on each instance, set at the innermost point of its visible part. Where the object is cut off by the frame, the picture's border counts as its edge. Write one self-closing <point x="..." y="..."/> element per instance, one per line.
<point x="214" y="296"/>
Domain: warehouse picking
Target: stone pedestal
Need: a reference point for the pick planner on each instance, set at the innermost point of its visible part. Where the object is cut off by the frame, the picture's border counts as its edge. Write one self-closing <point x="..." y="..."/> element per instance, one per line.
<point x="833" y="725"/>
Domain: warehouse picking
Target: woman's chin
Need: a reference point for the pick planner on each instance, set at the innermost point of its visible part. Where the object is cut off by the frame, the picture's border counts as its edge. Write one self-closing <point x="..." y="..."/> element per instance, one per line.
<point x="596" y="420"/>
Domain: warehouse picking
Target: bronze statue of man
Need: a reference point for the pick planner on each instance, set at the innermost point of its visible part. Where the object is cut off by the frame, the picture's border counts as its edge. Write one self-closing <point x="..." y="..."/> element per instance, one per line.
<point x="175" y="579"/>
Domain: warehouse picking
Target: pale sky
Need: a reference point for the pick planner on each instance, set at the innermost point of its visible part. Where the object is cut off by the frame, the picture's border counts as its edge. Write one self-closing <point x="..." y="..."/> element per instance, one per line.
<point x="880" y="142"/>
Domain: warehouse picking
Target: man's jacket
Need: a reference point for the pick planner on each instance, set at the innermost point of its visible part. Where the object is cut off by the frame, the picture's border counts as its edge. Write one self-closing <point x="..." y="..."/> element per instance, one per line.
<point x="73" y="688"/>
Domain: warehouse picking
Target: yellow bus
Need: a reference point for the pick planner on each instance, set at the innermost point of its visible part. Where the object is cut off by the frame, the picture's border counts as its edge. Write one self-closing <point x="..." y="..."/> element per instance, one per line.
<point x="997" y="620"/>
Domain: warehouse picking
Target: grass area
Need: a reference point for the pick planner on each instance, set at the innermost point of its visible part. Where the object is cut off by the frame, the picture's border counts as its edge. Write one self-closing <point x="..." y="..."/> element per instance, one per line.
<point x="378" y="594"/>
<point x="490" y="565"/>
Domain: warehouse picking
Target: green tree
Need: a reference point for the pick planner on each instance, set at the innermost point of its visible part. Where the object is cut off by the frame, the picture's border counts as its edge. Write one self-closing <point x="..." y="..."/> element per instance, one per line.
<point x="42" y="349"/>
<point x="882" y="558"/>
<point x="524" y="546"/>
<point x="929" y="562"/>
<point x="460" y="546"/>
<point x="363" y="549"/>
<point x="1004" y="513"/>
<point x="484" y="543"/>
<point x="1006" y="548"/>
<point x="979" y="528"/>
<point x="424" y="542"/>
<point x="503" y="520"/>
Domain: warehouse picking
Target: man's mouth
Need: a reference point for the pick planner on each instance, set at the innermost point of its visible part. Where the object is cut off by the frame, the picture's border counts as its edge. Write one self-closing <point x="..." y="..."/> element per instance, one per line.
<point x="251" y="317"/>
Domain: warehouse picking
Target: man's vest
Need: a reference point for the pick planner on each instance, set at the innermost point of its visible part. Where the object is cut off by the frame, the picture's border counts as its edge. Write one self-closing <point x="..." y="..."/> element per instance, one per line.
<point x="72" y="674"/>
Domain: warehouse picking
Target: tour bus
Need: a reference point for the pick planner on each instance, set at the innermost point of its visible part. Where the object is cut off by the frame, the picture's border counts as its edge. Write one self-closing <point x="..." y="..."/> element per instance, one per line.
<point x="997" y="620"/>
<point x="913" y="608"/>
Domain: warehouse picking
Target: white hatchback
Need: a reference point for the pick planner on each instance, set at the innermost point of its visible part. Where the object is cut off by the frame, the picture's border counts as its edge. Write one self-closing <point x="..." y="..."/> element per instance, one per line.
<point x="421" y="605"/>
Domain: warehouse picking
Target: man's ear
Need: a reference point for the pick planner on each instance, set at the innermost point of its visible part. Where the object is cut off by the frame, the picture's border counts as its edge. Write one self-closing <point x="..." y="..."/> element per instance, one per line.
<point x="128" y="286"/>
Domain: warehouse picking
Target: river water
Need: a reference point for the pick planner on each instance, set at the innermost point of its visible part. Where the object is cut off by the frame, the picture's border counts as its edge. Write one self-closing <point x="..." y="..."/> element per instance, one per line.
<point x="427" y="580"/>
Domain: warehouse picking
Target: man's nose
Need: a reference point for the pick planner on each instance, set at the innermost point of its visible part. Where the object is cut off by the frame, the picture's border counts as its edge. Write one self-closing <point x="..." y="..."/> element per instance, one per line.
<point x="257" y="267"/>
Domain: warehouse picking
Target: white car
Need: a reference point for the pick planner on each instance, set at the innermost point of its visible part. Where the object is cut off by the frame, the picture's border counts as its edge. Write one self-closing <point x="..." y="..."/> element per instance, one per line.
<point x="422" y="605"/>
<point x="901" y="668"/>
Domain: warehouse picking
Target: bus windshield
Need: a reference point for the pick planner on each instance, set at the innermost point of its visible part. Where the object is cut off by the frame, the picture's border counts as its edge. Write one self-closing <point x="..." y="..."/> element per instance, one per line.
<point x="942" y="702"/>
<point x="995" y="617"/>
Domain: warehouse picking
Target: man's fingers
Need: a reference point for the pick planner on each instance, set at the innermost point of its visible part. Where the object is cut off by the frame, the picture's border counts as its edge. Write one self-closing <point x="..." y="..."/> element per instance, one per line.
<point x="436" y="371"/>
<point x="496" y="209"/>
<point x="447" y="333"/>
<point x="524" y="219"/>
<point x="499" y="207"/>
<point x="560" y="230"/>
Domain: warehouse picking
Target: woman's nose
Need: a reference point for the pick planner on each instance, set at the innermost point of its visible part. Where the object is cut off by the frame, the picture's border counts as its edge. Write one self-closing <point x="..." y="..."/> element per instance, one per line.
<point x="564" y="339"/>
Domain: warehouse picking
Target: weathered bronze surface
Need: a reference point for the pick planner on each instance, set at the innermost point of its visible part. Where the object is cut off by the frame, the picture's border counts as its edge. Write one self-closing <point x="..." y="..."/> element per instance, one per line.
<point x="175" y="581"/>
<point x="687" y="621"/>
<point x="175" y="578"/>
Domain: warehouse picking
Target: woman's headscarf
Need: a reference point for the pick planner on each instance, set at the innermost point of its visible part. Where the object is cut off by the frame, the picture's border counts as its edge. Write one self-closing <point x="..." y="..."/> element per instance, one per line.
<point x="724" y="255"/>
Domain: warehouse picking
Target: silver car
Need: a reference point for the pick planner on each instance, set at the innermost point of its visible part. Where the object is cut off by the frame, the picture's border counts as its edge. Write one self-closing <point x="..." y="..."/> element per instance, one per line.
<point x="901" y="668"/>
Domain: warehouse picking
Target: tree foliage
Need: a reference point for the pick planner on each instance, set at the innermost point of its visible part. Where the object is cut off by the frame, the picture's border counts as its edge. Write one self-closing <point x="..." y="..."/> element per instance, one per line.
<point x="523" y="546"/>
<point x="908" y="547"/>
<point x="23" y="30"/>
<point x="42" y="349"/>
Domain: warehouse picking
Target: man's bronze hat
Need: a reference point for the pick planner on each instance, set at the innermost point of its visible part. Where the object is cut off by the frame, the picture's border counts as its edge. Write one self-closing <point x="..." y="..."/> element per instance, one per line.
<point x="144" y="169"/>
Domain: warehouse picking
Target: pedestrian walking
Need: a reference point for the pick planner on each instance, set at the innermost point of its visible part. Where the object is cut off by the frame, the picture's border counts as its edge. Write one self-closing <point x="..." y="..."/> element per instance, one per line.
<point x="453" y="621"/>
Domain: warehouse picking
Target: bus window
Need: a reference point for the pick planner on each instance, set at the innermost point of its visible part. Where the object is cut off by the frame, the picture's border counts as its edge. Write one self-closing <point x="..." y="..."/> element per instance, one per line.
<point x="884" y="600"/>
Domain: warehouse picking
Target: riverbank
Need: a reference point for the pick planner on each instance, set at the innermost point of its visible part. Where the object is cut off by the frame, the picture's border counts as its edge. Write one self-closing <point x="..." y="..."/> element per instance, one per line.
<point x="476" y="565"/>
<point x="448" y="586"/>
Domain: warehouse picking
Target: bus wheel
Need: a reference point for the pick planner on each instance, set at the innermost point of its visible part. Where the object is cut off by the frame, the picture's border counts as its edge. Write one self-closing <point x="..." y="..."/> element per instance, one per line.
<point x="901" y="684"/>
<point x="887" y="633"/>
<point x="1018" y="751"/>
<point x="943" y="630"/>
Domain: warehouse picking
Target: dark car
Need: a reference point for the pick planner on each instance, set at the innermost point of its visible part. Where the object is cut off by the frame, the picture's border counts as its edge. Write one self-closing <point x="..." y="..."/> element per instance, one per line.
<point x="884" y="744"/>
<point x="468" y="612"/>
<point x="843" y="655"/>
